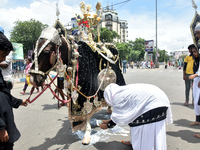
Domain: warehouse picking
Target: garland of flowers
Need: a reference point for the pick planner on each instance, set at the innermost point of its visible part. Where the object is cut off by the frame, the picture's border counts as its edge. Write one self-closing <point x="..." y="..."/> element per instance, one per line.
<point x="85" y="23"/>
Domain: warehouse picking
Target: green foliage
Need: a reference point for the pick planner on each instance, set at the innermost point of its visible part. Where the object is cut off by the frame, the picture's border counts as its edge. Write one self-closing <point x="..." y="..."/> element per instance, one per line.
<point x="163" y="55"/>
<point x="105" y="35"/>
<point x="123" y="49"/>
<point x="26" y="33"/>
<point x="133" y="50"/>
<point x="138" y="48"/>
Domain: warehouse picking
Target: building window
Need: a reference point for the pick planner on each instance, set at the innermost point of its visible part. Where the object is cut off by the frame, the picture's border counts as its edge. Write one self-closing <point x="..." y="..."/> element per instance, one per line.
<point x="109" y="23"/>
<point x="108" y="17"/>
<point x="110" y="28"/>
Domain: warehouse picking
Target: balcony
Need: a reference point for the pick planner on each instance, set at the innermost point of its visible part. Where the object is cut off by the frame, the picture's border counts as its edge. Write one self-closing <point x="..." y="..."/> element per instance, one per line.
<point x="109" y="23"/>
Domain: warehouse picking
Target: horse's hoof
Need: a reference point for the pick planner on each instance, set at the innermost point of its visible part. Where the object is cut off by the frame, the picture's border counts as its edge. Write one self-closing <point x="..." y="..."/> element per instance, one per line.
<point x="86" y="141"/>
<point x="109" y="111"/>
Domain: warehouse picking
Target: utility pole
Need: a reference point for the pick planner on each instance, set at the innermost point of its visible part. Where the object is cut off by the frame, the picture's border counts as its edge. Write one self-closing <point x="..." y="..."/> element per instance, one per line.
<point x="157" y="66"/>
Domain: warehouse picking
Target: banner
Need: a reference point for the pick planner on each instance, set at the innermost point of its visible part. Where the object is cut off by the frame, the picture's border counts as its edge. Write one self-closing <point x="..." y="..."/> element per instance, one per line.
<point x="149" y="46"/>
<point x="17" y="51"/>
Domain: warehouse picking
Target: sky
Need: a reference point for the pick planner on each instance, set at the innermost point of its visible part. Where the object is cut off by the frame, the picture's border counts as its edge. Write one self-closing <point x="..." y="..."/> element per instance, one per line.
<point x="173" y="17"/>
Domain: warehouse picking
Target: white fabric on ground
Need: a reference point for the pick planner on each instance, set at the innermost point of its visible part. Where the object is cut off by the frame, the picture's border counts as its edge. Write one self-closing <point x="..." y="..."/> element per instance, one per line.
<point x="131" y="101"/>
<point x="149" y="136"/>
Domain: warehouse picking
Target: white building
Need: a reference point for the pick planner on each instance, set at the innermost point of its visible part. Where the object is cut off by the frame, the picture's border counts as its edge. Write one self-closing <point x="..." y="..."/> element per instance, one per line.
<point x="110" y="20"/>
<point x="179" y="53"/>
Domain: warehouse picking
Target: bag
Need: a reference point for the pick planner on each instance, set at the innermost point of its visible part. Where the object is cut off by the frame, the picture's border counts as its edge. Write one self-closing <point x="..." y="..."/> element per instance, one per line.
<point x="28" y="80"/>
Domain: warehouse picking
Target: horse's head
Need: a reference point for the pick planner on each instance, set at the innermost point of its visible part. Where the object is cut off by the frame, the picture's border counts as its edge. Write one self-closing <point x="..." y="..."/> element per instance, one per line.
<point x="45" y="55"/>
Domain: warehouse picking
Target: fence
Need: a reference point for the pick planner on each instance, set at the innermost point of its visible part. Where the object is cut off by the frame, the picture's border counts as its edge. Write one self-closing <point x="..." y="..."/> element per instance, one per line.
<point x="18" y="67"/>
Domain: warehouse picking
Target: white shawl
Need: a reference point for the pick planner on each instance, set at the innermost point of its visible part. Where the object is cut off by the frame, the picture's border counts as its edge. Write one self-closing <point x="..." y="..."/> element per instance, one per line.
<point x="131" y="101"/>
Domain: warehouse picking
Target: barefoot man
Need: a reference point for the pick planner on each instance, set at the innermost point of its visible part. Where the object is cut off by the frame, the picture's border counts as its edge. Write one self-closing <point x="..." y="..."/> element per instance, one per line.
<point x="145" y="108"/>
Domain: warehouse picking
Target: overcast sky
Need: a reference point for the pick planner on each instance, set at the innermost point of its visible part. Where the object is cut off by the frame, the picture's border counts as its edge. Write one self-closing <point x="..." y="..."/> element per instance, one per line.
<point x="174" y="17"/>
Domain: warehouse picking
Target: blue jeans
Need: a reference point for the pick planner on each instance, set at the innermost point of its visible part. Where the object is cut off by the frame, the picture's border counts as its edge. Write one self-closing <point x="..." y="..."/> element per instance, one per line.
<point x="124" y="69"/>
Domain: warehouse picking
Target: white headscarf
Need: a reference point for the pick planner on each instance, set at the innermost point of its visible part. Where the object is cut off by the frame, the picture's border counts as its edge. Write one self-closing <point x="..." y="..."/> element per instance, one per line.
<point x="197" y="28"/>
<point x="131" y="101"/>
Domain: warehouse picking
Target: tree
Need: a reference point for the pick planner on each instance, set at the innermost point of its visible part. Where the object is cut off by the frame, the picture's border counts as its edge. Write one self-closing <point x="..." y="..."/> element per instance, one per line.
<point x="133" y="50"/>
<point x="124" y="50"/>
<point x="26" y="33"/>
<point x="138" y="48"/>
<point x="163" y="55"/>
<point x="106" y="35"/>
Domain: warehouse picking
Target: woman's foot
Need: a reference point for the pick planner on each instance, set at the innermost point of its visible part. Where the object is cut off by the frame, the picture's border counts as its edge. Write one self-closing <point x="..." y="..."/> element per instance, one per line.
<point x="194" y="123"/>
<point x="186" y="103"/>
<point x="126" y="142"/>
<point x="23" y="93"/>
<point x="197" y="135"/>
<point x="38" y="91"/>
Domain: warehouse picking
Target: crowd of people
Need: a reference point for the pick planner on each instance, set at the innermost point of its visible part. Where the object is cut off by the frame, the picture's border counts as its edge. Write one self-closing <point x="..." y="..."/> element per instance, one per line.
<point x="139" y="64"/>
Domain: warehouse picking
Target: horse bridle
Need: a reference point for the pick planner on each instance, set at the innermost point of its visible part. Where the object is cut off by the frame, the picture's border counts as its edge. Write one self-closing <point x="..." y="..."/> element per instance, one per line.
<point x="49" y="38"/>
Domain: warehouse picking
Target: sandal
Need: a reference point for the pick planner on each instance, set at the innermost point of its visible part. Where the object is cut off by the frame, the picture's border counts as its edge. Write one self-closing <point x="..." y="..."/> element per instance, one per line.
<point x="197" y="135"/>
<point x="23" y="93"/>
<point x="194" y="123"/>
<point x="186" y="103"/>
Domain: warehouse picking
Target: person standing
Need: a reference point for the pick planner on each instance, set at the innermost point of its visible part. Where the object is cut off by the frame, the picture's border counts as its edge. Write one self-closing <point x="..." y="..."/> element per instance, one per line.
<point x="176" y="63"/>
<point x="165" y="64"/>
<point x="8" y="131"/>
<point x="144" y="64"/>
<point x="132" y="64"/>
<point x="145" y="108"/>
<point x="151" y="64"/>
<point x="187" y="71"/>
<point x="124" y="62"/>
<point x="179" y="64"/>
<point x="196" y="86"/>
<point x="27" y="68"/>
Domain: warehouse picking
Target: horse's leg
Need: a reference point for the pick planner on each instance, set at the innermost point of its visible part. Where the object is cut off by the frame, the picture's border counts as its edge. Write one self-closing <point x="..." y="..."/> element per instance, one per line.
<point x="109" y="110"/>
<point x="87" y="135"/>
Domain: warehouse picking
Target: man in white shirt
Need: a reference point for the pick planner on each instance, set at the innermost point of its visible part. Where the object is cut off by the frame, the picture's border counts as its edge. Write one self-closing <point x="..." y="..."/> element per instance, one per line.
<point x="6" y="67"/>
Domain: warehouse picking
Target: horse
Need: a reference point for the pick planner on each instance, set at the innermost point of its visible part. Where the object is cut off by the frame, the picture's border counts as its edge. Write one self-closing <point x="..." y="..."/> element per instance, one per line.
<point x="83" y="66"/>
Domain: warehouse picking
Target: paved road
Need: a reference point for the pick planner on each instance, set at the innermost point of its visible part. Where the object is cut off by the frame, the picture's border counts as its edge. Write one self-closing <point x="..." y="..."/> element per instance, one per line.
<point x="43" y="127"/>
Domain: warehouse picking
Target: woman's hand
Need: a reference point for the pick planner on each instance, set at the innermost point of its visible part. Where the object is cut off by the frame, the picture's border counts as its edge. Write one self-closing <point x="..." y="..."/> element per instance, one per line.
<point x="103" y="126"/>
<point x="191" y="77"/>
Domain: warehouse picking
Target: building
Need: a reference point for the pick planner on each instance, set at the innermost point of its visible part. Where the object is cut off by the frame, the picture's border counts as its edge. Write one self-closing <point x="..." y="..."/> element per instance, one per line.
<point x="180" y="54"/>
<point x="110" y="20"/>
